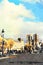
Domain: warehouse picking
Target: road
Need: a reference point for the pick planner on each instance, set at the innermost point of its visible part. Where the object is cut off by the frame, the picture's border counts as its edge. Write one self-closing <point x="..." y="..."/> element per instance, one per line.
<point x="23" y="59"/>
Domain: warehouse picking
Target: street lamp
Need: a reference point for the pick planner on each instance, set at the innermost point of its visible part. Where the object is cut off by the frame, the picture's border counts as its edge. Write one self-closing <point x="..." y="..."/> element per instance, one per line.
<point x="2" y="32"/>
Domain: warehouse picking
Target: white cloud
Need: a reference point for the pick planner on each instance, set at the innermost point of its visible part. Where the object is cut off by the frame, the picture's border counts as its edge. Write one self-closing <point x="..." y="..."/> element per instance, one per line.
<point x="13" y="24"/>
<point x="17" y="10"/>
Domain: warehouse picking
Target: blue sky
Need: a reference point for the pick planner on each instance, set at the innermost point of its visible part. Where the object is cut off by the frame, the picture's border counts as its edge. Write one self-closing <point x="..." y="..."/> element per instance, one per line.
<point x="0" y="0"/>
<point x="21" y="17"/>
<point x="36" y="8"/>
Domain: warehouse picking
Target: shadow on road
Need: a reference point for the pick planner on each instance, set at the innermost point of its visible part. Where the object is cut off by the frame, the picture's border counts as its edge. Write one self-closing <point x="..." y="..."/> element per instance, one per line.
<point x="22" y="62"/>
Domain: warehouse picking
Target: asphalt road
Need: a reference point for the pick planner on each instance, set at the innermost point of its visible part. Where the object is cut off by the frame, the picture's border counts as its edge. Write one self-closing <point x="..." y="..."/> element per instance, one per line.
<point x="23" y="59"/>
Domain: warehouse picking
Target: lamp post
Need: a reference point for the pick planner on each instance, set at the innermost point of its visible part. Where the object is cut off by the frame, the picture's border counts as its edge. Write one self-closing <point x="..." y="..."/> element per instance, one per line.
<point x="2" y="32"/>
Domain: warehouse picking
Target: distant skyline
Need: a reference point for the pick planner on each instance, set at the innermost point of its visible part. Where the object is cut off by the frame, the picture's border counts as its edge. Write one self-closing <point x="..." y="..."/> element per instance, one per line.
<point x="21" y="17"/>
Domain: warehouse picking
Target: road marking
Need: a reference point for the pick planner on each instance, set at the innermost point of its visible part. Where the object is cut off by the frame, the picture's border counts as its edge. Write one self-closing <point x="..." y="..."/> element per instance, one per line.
<point x="3" y="58"/>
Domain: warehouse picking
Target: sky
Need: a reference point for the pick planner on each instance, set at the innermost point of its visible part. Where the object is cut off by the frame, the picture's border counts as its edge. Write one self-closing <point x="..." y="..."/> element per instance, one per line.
<point x="21" y="17"/>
